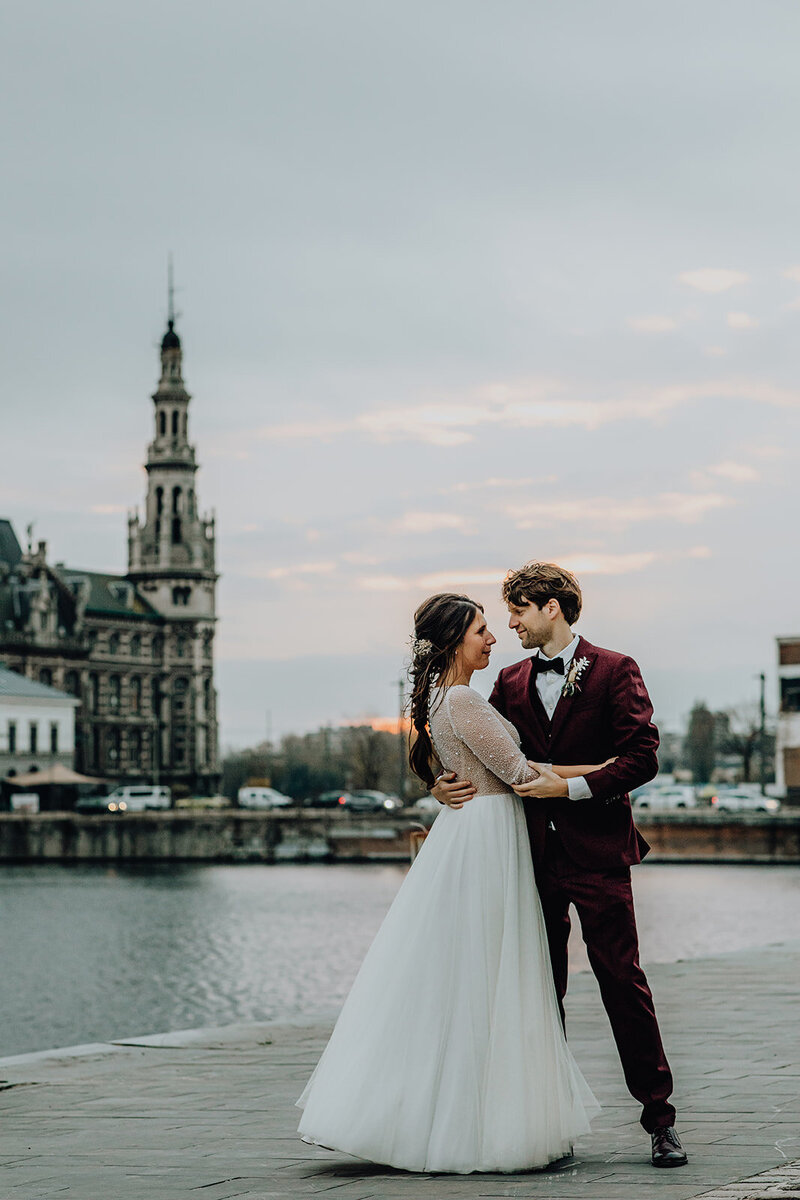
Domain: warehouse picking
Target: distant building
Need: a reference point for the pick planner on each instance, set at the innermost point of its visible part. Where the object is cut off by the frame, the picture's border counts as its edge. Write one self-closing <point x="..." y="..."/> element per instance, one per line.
<point x="136" y="650"/>
<point x="37" y="725"/>
<point x="787" y="749"/>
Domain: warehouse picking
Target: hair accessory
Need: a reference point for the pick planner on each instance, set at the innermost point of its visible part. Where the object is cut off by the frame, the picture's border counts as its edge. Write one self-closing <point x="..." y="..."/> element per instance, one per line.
<point x="422" y="649"/>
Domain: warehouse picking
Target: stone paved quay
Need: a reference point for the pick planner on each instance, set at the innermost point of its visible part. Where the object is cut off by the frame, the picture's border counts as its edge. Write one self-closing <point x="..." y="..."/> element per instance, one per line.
<point x="209" y="1115"/>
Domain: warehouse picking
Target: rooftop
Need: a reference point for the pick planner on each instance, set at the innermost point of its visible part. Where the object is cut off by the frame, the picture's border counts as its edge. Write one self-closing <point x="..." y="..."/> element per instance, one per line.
<point x="14" y="684"/>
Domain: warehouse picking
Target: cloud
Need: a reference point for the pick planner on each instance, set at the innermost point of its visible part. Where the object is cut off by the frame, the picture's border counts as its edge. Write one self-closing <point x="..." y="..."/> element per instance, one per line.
<point x="792" y="273"/>
<point x="716" y="351"/>
<point x="713" y="279"/>
<point x="652" y="324"/>
<point x="291" y="572"/>
<point x="589" y="563"/>
<point x="741" y="320"/>
<point x="672" y="506"/>
<point x="496" y="482"/>
<point x="104" y="510"/>
<point x="428" y="522"/>
<point x="609" y="564"/>
<point x="527" y="405"/>
<point x="736" y="472"/>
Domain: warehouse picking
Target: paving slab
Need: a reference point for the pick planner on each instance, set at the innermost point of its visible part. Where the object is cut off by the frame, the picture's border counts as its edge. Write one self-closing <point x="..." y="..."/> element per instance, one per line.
<point x="209" y="1114"/>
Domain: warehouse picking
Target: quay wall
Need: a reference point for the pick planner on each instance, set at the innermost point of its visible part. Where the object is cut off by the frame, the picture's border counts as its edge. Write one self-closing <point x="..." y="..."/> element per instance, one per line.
<point x="315" y="835"/>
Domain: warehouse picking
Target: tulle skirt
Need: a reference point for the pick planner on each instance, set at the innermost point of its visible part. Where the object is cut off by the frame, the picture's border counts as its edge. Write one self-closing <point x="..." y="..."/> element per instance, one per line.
<point x="449" y="1054"/>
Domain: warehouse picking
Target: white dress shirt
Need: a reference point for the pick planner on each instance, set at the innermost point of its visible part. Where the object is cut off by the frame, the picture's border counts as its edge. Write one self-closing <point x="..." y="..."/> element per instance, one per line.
<point x="549" y="686"/>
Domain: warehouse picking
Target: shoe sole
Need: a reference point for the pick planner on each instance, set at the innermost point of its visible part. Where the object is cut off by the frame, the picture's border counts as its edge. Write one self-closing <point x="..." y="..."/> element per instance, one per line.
<point x="674" y="1162"/>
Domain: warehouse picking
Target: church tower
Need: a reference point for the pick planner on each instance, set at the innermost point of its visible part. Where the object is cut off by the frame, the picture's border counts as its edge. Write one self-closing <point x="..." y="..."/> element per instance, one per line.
<point x="171" y="561"/>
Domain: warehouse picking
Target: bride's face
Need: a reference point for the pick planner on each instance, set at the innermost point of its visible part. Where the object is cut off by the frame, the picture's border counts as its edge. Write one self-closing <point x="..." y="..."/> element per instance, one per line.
<point x="476" y="647"/>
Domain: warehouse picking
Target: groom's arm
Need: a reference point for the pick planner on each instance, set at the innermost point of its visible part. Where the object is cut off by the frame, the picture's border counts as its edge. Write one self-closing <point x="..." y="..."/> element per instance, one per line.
<point x="634" y="736"/>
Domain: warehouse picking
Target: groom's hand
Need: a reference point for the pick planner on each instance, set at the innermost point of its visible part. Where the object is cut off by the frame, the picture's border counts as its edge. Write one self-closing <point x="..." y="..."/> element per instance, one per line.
<point x="452" y="791"/>
<point x="547" y="786"/>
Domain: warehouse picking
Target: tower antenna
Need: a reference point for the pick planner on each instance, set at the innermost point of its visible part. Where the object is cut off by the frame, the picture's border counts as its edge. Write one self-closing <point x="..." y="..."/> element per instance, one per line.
<point x="170" y="290"/>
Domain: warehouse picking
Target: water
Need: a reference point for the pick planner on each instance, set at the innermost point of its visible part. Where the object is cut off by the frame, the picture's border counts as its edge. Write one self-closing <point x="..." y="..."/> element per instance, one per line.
<point x="93" y="953"/>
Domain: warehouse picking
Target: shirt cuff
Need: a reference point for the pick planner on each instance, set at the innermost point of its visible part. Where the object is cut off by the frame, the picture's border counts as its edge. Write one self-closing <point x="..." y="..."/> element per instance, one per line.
<point x="579" y="789"/>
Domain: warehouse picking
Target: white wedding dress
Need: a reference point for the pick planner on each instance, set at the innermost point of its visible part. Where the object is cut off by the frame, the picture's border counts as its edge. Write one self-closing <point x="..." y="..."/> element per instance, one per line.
<point x="449" y="1054"/>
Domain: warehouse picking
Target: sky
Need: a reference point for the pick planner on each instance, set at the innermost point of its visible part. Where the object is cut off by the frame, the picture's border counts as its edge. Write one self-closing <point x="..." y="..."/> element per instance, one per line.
<point x="460" y="285"/>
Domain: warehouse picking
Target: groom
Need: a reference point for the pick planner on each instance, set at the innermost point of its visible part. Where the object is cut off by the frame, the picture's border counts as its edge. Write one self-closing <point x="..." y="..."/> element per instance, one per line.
<point x="573" y="702"/>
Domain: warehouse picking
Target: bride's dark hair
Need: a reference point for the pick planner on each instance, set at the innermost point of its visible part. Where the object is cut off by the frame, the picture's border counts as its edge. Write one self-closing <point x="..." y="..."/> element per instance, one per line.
<point x="440" y="624"/>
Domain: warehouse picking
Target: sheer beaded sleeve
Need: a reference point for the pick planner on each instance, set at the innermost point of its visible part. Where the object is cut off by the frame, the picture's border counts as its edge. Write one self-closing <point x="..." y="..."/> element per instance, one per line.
<point x="475" y="723"/>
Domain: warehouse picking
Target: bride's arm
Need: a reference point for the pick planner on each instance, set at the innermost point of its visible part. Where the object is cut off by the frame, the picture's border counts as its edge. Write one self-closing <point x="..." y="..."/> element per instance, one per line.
<point x="479" y="727"/>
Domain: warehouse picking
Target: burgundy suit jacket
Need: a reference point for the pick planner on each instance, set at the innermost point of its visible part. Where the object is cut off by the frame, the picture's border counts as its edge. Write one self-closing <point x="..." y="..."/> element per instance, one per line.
<point x="609" y="715"/>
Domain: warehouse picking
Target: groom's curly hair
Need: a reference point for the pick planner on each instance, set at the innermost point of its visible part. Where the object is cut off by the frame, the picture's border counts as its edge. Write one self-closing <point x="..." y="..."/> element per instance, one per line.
<point x="538" y="582"/>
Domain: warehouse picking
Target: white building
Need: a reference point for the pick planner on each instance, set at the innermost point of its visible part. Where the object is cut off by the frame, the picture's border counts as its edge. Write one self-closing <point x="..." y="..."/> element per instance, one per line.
<point x="37" y="725"/>
<point x="787" y="747"/>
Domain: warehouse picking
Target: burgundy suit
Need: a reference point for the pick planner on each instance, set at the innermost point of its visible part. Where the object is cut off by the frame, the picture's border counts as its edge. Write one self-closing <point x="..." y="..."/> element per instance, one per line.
<point x="583" y="849"/>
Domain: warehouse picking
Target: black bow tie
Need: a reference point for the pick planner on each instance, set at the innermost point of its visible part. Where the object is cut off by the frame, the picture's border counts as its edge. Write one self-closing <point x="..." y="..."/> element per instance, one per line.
<point x="547" y="664"/>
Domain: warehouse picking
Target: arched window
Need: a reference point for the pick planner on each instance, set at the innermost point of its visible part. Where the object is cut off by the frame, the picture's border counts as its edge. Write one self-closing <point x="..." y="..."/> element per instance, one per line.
<point x="46" y="676"/>
<point x="113" y="643"/>
<point x="180" y="645"/>
<point x="162" y="422"/>
<point x="176" y="520"/>
<point x="136" y="645"/>
<point x="175" y="422"/>
<point x="114" y="691"/>
<point x="159" y="501"/>
<point x="113" y="742"/>
<point x="155" y="697"/>
<point x="72" y="683"/>
<point x="136" y="694"/>
<point x="94" y="692"/>
<point x="158" y="645"/>
<point x="135" y="747"/>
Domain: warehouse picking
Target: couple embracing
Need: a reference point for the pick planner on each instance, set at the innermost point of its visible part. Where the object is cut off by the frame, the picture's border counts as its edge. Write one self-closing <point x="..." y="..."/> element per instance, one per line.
<point x="449" y="1053"/>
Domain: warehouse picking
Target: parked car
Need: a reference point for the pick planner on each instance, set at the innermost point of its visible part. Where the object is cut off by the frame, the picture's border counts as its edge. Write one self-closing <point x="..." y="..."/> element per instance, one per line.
<point x="335" y="799"/>
<point x="744" y="799"/>
<point x="676" y="795"/>
<point x="263" y="797"/>
<point x="367" y="800"/>
<point x="133" y="798"/>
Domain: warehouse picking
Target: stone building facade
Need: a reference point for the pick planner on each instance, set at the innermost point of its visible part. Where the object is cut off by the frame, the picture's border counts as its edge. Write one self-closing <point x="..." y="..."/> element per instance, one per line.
<point x="787" y="748"/>
<point x="137" y="649"/>
<point x="37" y="726"/>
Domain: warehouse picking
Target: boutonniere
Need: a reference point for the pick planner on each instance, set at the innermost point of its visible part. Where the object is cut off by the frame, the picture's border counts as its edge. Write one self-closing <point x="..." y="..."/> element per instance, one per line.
<point x="571" y="685"/>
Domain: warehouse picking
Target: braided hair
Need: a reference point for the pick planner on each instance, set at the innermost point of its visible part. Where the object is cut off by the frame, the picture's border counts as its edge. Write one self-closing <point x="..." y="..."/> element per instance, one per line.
<point x="440" y="624"/>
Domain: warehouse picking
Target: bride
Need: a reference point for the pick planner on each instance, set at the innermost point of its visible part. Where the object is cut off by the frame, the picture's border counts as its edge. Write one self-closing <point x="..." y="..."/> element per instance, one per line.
<point x="449" y="1053"/>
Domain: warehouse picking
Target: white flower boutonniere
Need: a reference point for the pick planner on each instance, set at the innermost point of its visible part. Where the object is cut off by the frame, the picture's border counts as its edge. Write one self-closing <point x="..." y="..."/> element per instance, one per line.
<point x="571" y="685"/>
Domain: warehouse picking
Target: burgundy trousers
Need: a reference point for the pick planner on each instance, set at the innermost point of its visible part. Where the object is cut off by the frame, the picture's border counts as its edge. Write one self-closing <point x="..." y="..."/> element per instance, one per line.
<point x="604" y="903"/>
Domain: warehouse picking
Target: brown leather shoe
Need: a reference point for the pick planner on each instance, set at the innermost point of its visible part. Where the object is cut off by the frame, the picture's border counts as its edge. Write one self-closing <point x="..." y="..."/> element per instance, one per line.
<point x="667" y="1148"/>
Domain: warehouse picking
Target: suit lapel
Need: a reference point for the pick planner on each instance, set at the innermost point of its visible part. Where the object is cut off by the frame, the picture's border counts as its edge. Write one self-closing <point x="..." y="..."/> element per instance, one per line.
<point x="565" y="703"/>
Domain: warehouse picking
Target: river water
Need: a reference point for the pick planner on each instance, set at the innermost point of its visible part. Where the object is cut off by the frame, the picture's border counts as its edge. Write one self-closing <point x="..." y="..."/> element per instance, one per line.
<point x="93" y="953"/>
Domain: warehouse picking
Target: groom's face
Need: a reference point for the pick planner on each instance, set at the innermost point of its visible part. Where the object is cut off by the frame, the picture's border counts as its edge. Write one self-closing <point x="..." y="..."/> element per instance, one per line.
<point x="533" y="626"/>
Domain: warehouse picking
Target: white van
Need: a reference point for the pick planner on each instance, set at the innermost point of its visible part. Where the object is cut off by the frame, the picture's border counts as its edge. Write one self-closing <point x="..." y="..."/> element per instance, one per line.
<point x="138" y="797"/>
<point x="263" y="797"/>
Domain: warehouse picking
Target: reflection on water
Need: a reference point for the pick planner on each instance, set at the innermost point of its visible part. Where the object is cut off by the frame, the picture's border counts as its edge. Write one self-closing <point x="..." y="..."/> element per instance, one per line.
<point x="93" y="953"/>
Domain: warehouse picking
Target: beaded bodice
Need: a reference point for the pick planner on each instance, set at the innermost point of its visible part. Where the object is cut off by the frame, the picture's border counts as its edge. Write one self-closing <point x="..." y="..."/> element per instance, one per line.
<point x="473" y="740"/>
